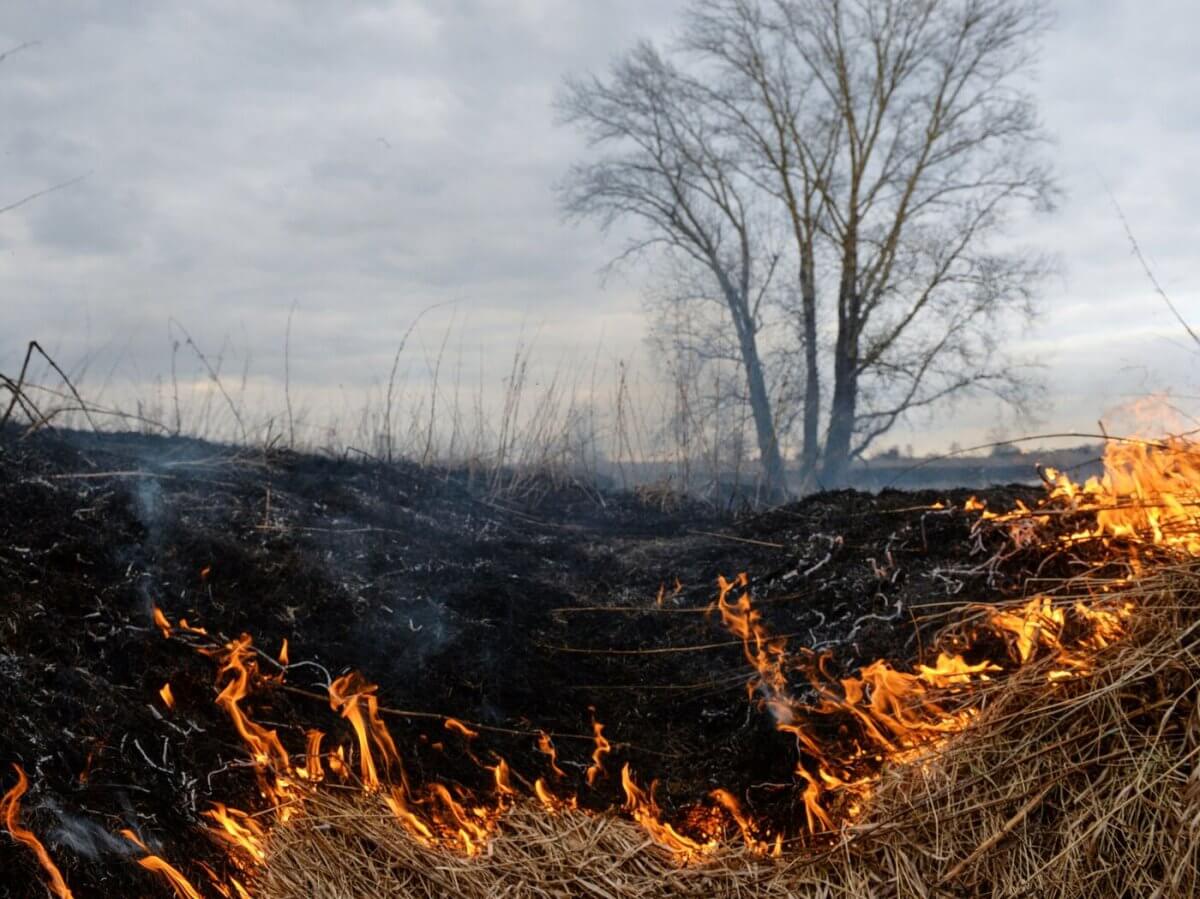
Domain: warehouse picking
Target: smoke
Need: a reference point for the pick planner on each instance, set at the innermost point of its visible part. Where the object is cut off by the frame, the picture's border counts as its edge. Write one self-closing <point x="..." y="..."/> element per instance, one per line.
<point x="87" y="838"/>
<point x="413" y="629"/>
<point x="150" y="509"/>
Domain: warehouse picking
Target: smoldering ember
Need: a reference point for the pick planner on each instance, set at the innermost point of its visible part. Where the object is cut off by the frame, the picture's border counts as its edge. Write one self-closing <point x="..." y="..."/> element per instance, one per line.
<point x="623" y="450"/>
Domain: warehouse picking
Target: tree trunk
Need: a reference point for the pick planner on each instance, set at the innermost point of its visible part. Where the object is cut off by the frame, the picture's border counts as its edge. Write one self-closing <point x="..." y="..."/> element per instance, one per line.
<point x="812" y="377"/>
<point x="841" y="418"/>
<point x="843" y="409"/>
<point x="764" y="421"/>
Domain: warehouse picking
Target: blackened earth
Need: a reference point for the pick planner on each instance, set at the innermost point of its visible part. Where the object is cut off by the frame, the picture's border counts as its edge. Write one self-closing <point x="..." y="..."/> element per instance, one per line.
<point x="519" y="606"/>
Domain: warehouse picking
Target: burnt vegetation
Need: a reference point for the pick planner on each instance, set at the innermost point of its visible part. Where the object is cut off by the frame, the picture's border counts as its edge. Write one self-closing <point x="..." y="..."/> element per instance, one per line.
<point x="541" y="612"/>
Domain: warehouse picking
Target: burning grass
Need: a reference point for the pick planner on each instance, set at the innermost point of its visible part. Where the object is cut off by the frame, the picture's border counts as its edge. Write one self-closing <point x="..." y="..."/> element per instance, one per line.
<point x="1080" y="786"/>
<point x="1044" y="745"/>
<point x="1045" y="768"/>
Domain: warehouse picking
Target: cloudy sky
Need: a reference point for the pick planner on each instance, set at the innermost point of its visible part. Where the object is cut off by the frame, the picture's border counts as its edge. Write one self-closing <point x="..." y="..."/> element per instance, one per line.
<point x="366" y="160"/>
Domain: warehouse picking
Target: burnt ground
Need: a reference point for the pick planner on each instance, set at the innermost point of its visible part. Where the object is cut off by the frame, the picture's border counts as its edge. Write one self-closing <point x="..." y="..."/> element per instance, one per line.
<point x="516" y="612"/>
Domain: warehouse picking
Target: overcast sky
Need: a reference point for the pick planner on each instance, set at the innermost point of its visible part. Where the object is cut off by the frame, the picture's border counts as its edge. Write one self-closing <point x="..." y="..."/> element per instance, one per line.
<point x="366" y="160"/>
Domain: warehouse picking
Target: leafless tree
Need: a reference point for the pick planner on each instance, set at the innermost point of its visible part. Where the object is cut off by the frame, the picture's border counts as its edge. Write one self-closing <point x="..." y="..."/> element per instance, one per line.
<point x="668" y="164"/>
<point x="897" y="139"/>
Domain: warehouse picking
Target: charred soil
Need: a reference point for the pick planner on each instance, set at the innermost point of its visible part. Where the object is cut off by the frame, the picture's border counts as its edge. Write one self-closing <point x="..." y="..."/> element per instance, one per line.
<point x="515" y="613"/>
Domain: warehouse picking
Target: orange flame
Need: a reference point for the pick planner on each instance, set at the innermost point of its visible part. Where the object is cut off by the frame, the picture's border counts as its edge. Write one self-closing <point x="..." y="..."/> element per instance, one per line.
<point x="355" y="699"/>
<point x="10" y="808"/>
<point x="239" y="830"/>
<point x="167" y="696"/>
<point x="603" y="747"/>
<point x="845" y="729"/>
<point x="180" y="884"/>
<point x="313" y="771"/>
<point x="502" y="776"/>
<point x="455" y="725"/>
<point x="745" y="826"/>
<point x="151" y="862"/>
<point x="895" y="712"/>
<point x="645" y="811"/>
<point x="266" y="750"/>
<point x="546" y="746"/>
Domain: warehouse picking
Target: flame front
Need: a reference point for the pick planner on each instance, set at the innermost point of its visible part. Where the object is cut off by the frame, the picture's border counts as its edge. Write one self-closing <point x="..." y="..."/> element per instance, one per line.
<point x="642" y="806"/>
<point x="845" y="728"/>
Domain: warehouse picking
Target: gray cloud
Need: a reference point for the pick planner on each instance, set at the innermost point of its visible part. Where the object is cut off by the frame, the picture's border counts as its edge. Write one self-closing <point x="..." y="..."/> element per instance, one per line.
<point x="365" y="160"/>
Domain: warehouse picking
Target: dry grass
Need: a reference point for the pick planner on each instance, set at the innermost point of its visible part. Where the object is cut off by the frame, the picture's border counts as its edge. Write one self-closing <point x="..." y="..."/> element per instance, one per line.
<point x="1081" y="788"/>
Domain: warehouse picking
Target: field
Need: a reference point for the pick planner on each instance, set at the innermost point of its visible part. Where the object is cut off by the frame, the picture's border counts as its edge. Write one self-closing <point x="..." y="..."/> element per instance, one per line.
<point x="550" y="635"/>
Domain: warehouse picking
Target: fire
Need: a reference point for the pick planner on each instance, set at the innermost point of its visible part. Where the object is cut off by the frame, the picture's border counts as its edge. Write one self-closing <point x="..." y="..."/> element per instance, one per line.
<point x="645" y="811"/>
<point x="455" y="725"/>
<point x="603" y="748"/>
<point x="745" y="825"/>
<point x="151" y="862"/>
<point x="266" y="750"/>
<point x="502" y="774"/>
<point x="167" y="696"/>
<point x="1148" y="497"/>
<point x="546" y="747"/>
<point x="1149" y="494"/>
<point x="765" y="654"/>
<point x="10" y="808"/>
<point x="845" y="726"/>
<point x="893" y="715"/>
<point x="239" y="829"/>
<point x="355" y="699"/>
<point x="179" y="883"/>
<point x="313" y="770"/>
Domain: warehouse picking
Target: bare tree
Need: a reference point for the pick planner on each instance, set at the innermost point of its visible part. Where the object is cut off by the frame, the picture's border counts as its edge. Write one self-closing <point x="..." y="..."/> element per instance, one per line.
<point x="896" y="139"/>
<point x="751" y="79"/>
<point x="900" y="139"/>
<point x="668" y="165"/>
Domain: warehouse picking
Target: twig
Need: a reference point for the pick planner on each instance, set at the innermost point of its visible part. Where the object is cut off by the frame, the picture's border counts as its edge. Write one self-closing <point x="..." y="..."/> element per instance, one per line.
<point x="1137" y="252"/>
<point x="739" y="539"/>
<point x="387" y="409"/>
<point x="475" y="725"/>
<point x="34" y="345"/>
<point x="16" y="389"/>
<point x="27" y="405"/>
<point x="17" y="49"/>
<point x="41" y="193"/>
<point x="287" y="377"/>
<point x="212" y="373"/>
<point x="999" y="835"/>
